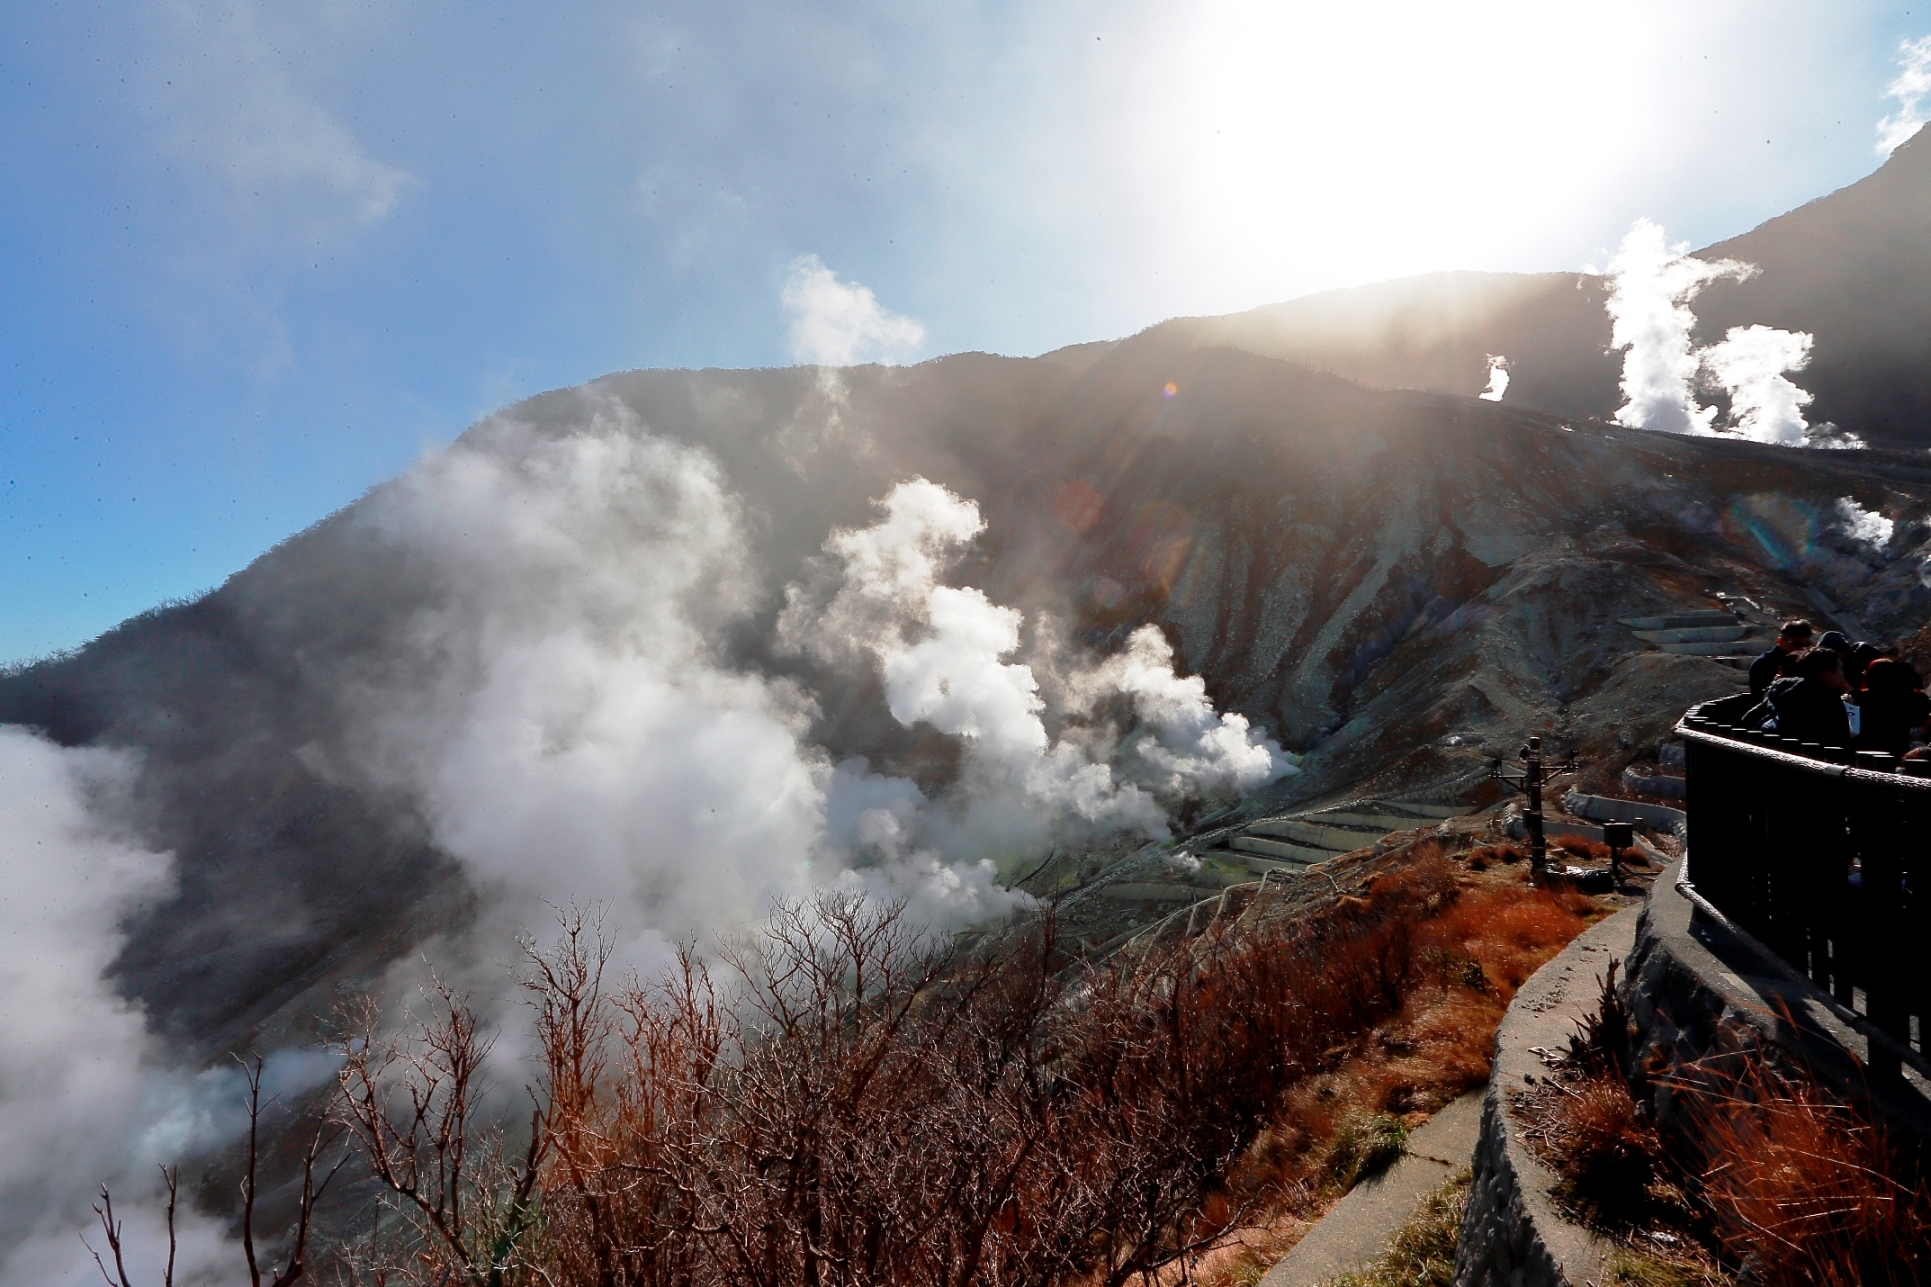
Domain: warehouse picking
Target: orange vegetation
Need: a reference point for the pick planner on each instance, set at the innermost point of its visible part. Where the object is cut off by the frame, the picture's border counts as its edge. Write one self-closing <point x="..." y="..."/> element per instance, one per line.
<point x="851" y="1102"/>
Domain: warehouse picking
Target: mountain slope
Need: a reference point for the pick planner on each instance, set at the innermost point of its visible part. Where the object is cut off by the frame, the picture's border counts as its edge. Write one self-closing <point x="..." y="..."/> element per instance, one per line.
<point x="1396" y="584"/>
<point x="1853" y="269"/>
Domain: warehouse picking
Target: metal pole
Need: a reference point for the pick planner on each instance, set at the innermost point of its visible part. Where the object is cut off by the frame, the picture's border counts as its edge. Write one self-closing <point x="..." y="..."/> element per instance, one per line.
<point x="1532" y="782"/>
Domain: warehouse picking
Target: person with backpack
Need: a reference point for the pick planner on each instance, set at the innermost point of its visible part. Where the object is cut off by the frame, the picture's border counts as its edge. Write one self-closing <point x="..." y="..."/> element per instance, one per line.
<point x="1808" y="703"/>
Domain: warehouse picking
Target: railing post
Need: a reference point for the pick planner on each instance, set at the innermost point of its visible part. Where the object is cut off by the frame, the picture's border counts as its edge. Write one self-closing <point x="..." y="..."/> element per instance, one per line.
<point x="1874" y="818"/>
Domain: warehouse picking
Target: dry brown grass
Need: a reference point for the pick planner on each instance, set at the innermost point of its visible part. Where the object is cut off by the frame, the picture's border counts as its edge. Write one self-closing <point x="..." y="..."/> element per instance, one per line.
<point x="1770" y="1173"/>
<point x="855" y="1104"/>
<point x="1805" y="1190"/>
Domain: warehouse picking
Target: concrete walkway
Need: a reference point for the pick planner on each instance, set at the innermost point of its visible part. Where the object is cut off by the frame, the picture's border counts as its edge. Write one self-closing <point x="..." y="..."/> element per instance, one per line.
<point x="1357" y="1228"/>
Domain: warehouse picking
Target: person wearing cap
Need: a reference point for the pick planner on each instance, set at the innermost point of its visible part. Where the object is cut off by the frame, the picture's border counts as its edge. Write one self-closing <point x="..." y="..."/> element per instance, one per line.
<point x="1792" y="638"/>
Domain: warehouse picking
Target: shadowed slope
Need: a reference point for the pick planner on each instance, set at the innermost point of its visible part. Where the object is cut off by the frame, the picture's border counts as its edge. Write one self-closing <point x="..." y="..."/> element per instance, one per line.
<point x="1392" y="582"/>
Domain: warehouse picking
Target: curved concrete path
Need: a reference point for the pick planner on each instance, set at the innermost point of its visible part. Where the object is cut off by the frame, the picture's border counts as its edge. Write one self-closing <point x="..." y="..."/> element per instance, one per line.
<point x="1357" y="1228"/>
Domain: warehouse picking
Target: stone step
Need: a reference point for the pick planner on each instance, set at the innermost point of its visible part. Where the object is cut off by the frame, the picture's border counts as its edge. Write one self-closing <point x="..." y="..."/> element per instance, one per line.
<point x="1148" y="892"/>
<point x="1679" y="620"/>
<point x="1703" y="649"/>
<point x="1282" y="849"/>
<point x="1386" y="821"/>
<point x="1259" y="866"/>
<point x="1421" y="810"/>
<point x="1694" y="634"/>
<point x="1340" y="839"/>
<point x="1218" y="871"/>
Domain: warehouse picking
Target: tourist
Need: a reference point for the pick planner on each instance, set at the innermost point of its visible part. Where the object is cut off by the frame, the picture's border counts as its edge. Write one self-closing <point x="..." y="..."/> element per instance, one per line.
<point x="1890" y="708"/>
<point x="1792" y="639"/>
<point x="1808" y="703"/>
<point x="1856" y="656"/>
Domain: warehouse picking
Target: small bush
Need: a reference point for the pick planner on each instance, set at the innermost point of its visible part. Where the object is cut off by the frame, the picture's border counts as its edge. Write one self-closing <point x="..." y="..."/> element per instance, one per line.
<point x="1607" y="1150"/>
<point x="1586" y="850"/>
<point x="1365" y="1144"/>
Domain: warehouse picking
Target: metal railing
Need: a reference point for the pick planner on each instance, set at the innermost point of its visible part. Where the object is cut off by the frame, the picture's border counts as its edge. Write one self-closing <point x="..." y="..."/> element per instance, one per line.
<point x="1824" y="857"/>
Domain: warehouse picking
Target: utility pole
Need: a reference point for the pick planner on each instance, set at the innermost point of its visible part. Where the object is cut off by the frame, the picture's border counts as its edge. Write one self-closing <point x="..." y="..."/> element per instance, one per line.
<point x="1530" y="781"/>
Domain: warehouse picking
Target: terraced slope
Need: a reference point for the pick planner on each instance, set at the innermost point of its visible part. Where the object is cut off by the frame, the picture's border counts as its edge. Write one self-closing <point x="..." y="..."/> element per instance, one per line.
<point x="1396" y="586"/>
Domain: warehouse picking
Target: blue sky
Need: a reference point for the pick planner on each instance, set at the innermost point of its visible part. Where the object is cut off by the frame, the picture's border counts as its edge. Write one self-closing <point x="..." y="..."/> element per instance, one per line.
<point x="255" y="258"/>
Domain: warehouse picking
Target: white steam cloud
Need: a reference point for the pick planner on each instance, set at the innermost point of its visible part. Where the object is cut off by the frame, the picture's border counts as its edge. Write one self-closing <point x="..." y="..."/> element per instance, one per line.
<point x="1651" y="286"/>
<point x="1909" y="89"/>
<point x="836" y="323"/>
<point x="1865" y="525"/>
<point x="578" y="736"/>
<point x="86" y="1097"/>
<point x="1750" y="364"/>
<point x="1498" y="378"/>
<point x="572" y="731"/>
<point x="559" y="707"/>
<point x="942" y="653"/>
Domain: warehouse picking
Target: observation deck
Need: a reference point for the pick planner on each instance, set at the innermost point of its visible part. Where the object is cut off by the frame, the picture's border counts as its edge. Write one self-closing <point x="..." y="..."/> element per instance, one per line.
<point x="1824" y="857"/>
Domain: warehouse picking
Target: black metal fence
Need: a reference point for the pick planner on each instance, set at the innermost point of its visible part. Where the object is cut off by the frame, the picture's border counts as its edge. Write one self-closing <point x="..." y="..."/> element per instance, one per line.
<point x="1823" y="856"/>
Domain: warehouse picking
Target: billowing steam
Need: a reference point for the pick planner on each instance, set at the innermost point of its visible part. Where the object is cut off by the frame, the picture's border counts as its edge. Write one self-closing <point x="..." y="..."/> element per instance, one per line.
<point x="563" y="712"/>
<point x="1498" y="378"/>
<point x="86" y="1094"/>
<point x="1652" y="284"/>
<point x="1909" y="89"/>
<point x="1867" y="526"/>
<point x="942" y="653"/>
<point x="1749" y="365"/>
<point x="835" y="324"/>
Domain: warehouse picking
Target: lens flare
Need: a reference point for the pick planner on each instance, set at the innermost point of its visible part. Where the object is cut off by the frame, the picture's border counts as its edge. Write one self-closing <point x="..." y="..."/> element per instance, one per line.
<point x="1170" y="390"/>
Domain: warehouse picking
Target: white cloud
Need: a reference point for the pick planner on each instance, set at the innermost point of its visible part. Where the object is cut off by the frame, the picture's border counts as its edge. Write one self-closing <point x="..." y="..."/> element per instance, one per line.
<point x="836" y="323"/>
<point x="1498" y="378"/>
<point x="1651" y="286"/>
<point x="237" y="104"/>
<point x="1750" y="363"/>
<point x="1909" y="89"/>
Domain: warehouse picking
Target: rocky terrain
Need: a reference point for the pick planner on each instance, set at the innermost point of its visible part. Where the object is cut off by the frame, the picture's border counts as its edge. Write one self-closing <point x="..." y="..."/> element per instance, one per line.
<point x="1396" y="580"/>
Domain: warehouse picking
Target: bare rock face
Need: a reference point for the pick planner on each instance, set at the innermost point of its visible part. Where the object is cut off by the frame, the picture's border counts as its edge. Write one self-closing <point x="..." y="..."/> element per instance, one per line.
<point x="1400" y="586"/>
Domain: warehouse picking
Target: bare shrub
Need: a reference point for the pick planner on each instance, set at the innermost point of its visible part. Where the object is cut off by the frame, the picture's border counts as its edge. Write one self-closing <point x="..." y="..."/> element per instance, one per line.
<point x="851" y="1101"/>
<point x="295" y="1263"/>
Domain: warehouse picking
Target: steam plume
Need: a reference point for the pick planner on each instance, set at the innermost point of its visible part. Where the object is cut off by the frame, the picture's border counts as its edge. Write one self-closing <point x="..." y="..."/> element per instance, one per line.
<point x="86" y="1096"/>
<point x="1750" y="365"/>
<point x="941" y="652"/>
<point x="1865" y="525"/>
<point x="1651" y="286"/>
<point x="1498" y="378"/>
